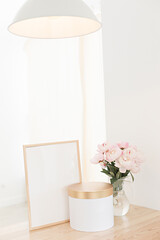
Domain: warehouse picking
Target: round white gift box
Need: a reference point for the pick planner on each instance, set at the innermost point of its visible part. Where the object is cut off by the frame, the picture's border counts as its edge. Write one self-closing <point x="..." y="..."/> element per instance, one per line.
<point x="91" y="206"/>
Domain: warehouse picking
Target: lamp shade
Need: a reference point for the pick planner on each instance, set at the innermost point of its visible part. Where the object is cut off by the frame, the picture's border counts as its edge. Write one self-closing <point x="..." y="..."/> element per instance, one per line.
<point x="54" y="19"/>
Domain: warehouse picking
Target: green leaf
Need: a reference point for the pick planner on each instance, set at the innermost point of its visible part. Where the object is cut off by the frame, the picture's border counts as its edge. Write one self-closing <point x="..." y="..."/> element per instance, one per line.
<point x="106" y="172"/>
<point x="132" y="176"/>
<point x="126" y="173"/>
<point x="112" y="174"/>
<point x="112" y="168"/>
<point x="118" y="175"/>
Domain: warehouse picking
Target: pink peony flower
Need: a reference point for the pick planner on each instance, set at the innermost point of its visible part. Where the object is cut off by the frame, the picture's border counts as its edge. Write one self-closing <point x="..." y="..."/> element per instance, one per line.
<point x="113" y="153"/>
<point x="122" y="169"/>
<point x="129" y="160"/>
<point x="125" y="156"/>
<point x="129" y="154"/>
<point x="127" y="164"/>
<point x="123" y="145"/>
<point x="103" y="147"/>
<point x="99" y="157"/>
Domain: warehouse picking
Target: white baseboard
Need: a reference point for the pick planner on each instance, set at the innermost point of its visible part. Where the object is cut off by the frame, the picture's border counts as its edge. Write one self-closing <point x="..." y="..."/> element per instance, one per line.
<point x="12" y="201"/>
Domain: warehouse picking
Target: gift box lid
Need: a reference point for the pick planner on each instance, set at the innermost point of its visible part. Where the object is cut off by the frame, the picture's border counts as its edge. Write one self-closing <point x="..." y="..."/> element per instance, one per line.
<point x="91" y="190"/>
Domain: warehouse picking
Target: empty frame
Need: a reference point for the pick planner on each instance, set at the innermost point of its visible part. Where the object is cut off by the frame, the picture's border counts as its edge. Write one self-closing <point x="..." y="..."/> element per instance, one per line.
<point x="49" y="169"/>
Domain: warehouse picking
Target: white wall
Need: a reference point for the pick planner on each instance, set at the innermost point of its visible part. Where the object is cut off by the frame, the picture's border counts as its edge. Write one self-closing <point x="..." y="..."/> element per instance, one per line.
<point x="131" y="41"/>
<point x="13" y="108"/>
<point x="47" y="93"/>
<point x="94" y="128"/>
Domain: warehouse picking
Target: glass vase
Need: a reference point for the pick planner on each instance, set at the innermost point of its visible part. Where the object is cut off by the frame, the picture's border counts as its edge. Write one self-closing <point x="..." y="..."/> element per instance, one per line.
<point x="120" y="201"/>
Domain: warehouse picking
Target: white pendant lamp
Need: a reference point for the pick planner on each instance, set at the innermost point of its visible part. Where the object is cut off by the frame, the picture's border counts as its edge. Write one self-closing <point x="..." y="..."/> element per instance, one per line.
<point x="54" y="19"/>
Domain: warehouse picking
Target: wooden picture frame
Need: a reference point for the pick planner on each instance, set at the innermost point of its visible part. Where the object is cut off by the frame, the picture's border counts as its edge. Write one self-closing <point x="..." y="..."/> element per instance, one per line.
<point x="37" y="162"/>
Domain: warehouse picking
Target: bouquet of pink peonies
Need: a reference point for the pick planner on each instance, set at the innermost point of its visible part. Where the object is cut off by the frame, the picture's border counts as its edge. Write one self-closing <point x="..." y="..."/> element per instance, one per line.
<point x="118" y="160"/>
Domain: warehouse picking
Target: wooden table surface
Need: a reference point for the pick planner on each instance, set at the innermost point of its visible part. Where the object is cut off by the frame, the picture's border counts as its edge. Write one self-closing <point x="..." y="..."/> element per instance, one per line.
<point x="139" y="224"/>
